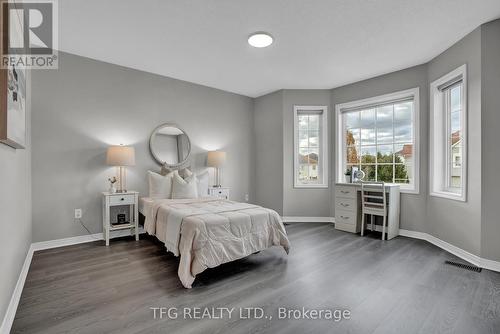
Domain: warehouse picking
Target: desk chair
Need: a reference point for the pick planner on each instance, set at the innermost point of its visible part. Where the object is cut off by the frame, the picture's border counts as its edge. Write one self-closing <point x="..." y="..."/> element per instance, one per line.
<point x="374" y="203"/>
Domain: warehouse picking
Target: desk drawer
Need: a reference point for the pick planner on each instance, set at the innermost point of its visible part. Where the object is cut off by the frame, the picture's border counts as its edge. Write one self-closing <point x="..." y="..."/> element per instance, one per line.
<point x="345" y="217"/>
<point x="122" y="199"/>
<point x="345" y="204"/>
<point x="345" y="191"/>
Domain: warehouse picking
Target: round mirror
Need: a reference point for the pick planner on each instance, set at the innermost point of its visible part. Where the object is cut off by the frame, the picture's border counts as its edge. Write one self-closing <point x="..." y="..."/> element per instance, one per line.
<point x="170" y="145"/>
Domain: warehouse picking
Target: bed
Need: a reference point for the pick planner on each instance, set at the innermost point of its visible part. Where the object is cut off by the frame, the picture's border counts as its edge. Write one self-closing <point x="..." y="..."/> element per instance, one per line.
<point x="206" y="232"/>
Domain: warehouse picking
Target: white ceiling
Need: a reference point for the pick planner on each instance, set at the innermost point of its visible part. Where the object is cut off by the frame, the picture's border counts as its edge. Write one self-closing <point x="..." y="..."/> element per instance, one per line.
<point x="318" y="44"/>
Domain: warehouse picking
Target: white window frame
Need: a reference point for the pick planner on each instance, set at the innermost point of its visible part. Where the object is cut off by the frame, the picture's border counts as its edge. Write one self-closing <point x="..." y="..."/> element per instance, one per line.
<point x="438" y="143"/>
<point x="323" y="145"/>
<point x="413" y="93"/>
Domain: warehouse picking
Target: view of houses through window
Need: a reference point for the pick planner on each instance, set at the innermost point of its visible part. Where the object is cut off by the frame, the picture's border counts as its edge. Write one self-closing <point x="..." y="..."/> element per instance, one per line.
<point x="309" y="128"/>
<point x="311" y="148"/>
<point x="380" y="141"/>
<point x="453" y="105"/>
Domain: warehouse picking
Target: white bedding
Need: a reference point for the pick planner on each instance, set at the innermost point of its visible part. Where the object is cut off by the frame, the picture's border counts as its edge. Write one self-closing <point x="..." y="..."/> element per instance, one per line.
<point x="145" y="204"/>
<point x="207" y="232"/>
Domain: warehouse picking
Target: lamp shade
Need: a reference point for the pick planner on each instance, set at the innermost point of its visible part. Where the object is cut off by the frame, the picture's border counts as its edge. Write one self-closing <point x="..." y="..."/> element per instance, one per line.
<point x="216" y="158"/>
<point x="120" y="156"/>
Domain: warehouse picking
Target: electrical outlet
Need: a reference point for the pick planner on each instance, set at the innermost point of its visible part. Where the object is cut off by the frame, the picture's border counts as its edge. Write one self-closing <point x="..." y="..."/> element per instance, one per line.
<point x="78" y="213"/>
<point x="246" y="197"/>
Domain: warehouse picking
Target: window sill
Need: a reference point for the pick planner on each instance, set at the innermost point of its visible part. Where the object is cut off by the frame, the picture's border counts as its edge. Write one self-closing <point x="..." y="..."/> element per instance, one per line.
<point x="449" y="195"/>
<point x="310" y="186"/>
<point x="409" y="191"/>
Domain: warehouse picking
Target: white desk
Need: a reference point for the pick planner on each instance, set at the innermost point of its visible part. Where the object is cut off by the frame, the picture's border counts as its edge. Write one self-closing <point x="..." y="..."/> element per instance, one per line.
<point x="348" y="208"/>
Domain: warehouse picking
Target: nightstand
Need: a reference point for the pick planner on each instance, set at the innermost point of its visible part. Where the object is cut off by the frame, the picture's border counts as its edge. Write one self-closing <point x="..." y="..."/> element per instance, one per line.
<point x="109" y="200"/>
<point x="221" y="192"/>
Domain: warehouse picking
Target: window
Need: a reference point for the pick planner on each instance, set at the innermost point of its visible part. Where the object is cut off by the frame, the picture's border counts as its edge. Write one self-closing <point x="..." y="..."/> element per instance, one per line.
<point x="448" y="135"/>
<point x="310" y="146"/>
<point x="379" y="136"/>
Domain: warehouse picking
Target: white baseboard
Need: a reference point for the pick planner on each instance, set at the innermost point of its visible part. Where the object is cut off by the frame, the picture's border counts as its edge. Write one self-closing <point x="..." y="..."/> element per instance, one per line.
<point x="293" y="219"/>
<point x="413" y="234"/>
<point x="459" y="252"/>
<point x="10" y="314"/>
<point x="79" y="239"/>
<point x="463" y="254"/>
<point x="490" y="265"/>
<point x="66" y="241"/>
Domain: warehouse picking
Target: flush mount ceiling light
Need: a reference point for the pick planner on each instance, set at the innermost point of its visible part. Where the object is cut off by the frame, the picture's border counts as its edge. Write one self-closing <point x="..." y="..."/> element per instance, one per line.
<point x="260" y="40"/>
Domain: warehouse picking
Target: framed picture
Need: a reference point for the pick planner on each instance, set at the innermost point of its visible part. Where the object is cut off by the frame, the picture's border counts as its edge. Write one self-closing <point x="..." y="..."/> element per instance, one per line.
<point x="355" y="174"/>
<point x="12" y="90"/>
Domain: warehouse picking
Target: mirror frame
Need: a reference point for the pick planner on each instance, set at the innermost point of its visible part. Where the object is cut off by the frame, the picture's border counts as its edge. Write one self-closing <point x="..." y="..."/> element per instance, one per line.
<point x="152" y="141"/>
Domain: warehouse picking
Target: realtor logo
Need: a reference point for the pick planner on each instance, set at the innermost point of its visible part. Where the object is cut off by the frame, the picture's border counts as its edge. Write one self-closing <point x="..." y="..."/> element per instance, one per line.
<point x="29" y="34"/>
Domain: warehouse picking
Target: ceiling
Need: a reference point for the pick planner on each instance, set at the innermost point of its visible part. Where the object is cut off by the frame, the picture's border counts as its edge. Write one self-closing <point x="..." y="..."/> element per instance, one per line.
<point x="318" y="44"/>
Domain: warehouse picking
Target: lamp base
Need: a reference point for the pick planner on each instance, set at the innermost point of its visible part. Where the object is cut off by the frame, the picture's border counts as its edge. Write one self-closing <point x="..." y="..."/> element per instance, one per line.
<point x="122" y="180"/>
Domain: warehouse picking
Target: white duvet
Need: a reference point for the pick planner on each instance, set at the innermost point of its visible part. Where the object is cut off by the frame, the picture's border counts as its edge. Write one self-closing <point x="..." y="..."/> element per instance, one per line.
<point x="207" y="232"/>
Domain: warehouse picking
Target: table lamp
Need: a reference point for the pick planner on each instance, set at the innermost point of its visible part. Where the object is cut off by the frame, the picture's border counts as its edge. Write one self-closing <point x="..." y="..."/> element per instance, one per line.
<point x="216" y="159"/>
<point x="121" y="157"/>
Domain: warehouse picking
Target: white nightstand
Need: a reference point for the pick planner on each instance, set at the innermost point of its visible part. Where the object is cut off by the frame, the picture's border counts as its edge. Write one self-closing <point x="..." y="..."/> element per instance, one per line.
<point x="130" y="198"/>
<point x="221" y="192"/>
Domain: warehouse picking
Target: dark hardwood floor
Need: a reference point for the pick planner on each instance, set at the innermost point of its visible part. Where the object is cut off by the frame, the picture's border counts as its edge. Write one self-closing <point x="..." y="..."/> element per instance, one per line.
<point x="397" y="286"/>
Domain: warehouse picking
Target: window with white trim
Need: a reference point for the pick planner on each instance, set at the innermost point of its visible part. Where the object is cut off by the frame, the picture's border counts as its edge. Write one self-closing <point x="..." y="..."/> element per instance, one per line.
<point x="448" y="135"/>
<point x="380" y="137"/>
<point x="310" y="147"/>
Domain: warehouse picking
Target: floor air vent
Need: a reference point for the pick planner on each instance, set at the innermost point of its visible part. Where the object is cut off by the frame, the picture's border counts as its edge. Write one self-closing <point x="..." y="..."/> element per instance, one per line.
<point x="464" y="266"/>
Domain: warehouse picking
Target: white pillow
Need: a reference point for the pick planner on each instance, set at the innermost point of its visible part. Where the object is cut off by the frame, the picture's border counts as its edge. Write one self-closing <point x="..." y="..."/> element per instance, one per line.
<point x="202" y="184"/>
<point x="160" y="186"/>
<point x="184" y="188"/>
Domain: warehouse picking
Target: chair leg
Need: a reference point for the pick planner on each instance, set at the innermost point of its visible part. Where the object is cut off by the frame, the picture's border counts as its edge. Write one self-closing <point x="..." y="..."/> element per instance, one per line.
<point x="372" y="219"/>
<point x="384" y="220"/>
<point x="362" y="224"/>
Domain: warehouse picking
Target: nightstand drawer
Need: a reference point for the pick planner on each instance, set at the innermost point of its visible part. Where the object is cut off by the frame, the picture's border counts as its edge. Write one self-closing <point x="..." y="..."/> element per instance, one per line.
<point x="122" y="199"/>
<point x="345" y="191"/>
<point x="345" y="217"/>
<point x="345" y="204"/>
<point x="219" y="192"/>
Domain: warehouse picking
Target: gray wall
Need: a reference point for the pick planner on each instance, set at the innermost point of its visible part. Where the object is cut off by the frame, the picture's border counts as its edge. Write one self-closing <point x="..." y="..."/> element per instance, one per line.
<point x="459" y="223"/>
<point x="268" y="118"/>
<point x="490" y="121"/>
<point x="305" y="202"/>
<point x="274" y="154"/>
<point x="15" y="219"/>
<point x="87" y="105"/>
<point x="413" y="206"/>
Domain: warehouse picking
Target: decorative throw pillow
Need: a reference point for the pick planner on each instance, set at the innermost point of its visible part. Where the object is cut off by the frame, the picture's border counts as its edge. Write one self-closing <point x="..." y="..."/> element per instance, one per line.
<point x="165" y="170"/>
<point x="202" y="184"/>
<point x="185" y="173"/>
<point x="160" y="186"/>
<point x="184" y="188"/>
